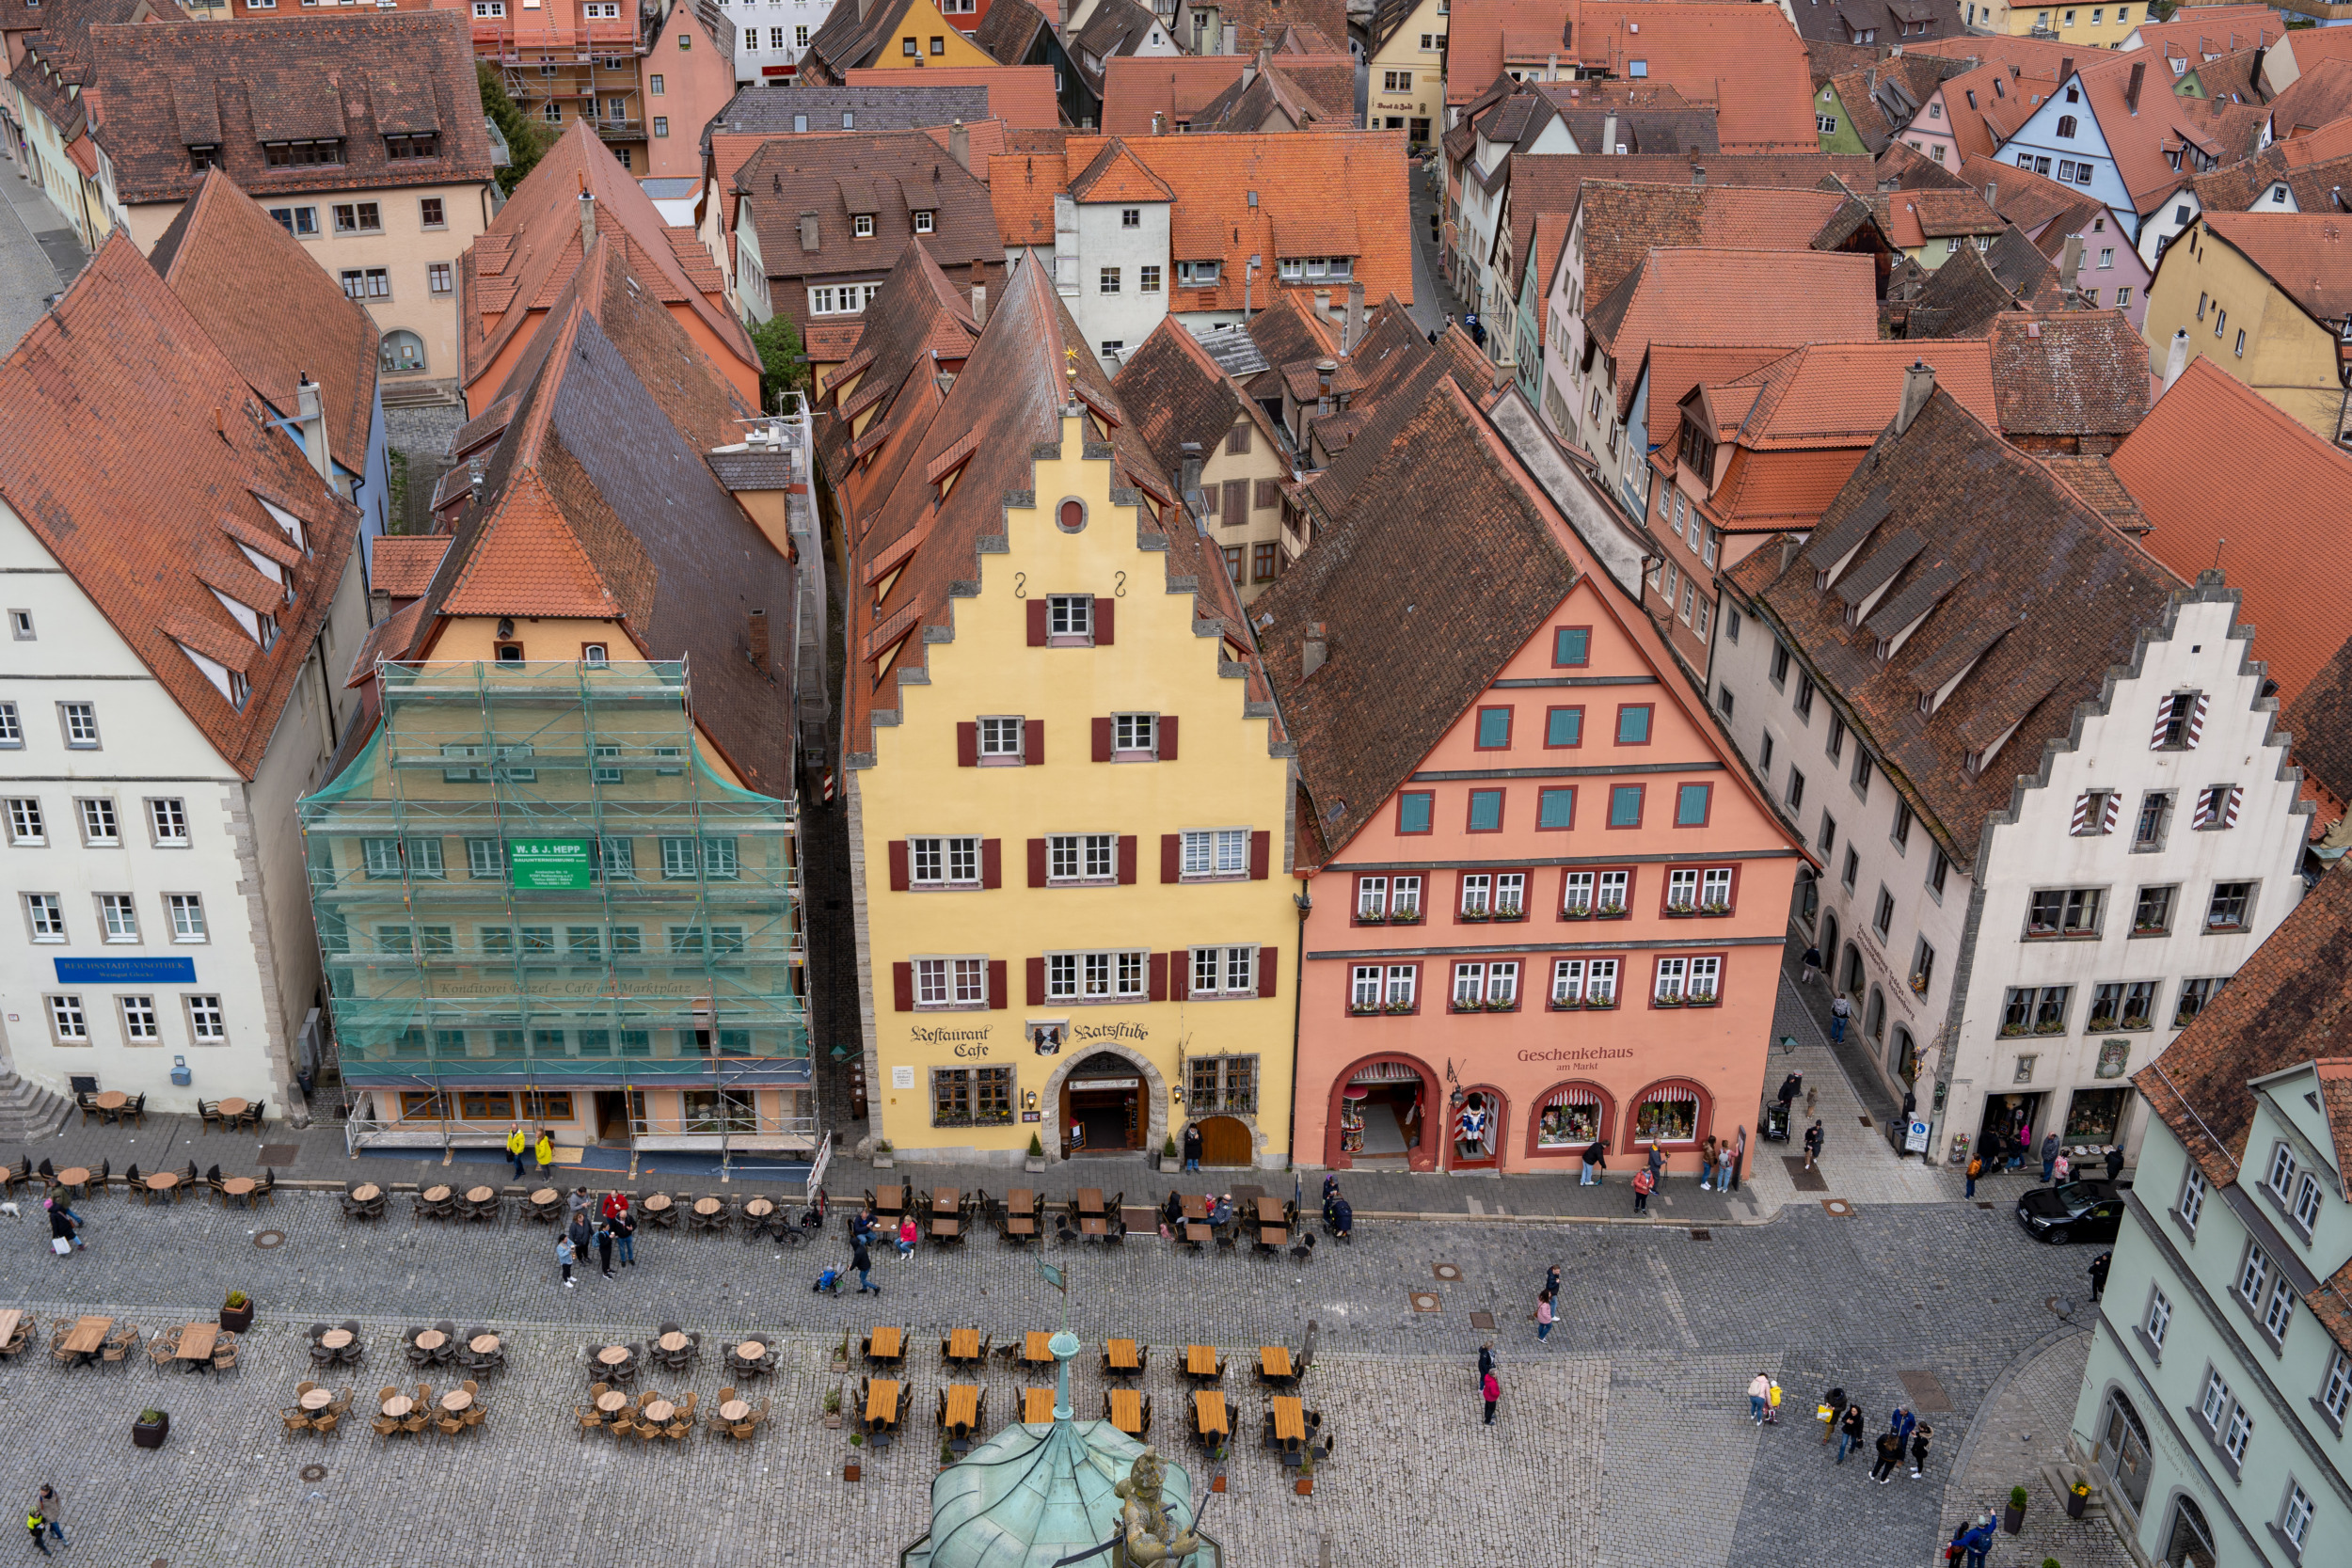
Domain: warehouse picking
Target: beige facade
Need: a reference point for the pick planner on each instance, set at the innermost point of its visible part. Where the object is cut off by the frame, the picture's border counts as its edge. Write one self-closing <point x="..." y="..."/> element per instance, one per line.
<point x="1241" y="490"/>
<point x="1408" y="91"/>
<point x="2239" y="317"/>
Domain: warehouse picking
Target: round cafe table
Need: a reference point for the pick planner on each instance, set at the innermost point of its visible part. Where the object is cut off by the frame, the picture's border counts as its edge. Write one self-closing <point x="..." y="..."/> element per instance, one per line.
<point x="611" y="1402"/>
<point x="73" y="1176"/>
<point x="546" y="1194"/>
<point x="233" y="1108"/>
<point x="113" y="1100"/>
<point x="613" y="1355"/>
<point x="432" y="1338"/>
<point x="759" y="1207"/>
<point x="479" y="1194"/>
<point x="163" y="1182"/>
<point x="735" y="1410"/>
<point x="238" y="1186"/>
<point x="368" y="1193"/>
<point x="660" y="1411"/>
<point x="751" y="1350"/>
<point x="336" y="1338"/>
<point x="436" y="1195"/>
<point x="706" y="1205"/>
<point x="455" y="1400"/>
<point x="482" y="1344"/>
<point x="399" y="1405"/>
<point x="673" y="1341"/>
<point x="317" y="1399"/>
<point x="658" y="1202"/>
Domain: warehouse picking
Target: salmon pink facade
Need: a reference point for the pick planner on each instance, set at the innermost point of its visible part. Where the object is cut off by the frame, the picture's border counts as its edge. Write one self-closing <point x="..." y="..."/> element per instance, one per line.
<point x="1564" y="924"/>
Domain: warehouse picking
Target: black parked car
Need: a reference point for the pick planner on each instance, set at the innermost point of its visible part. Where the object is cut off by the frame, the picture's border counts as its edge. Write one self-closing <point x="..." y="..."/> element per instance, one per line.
<point x="2077" y="1212"/>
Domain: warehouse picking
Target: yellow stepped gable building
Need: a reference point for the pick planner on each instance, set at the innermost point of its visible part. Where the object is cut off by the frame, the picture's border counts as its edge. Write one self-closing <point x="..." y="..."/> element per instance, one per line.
<point x="1067" y="784"/>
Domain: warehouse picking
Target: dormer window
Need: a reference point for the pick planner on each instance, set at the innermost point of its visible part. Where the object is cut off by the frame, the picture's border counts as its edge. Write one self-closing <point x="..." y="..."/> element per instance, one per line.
<point x="923" y="221"/>
<point x="1196" y="275"/>
<point x="861" y="225"/>
<point x="202" y="158"/>
<point x="425" y="145"/>
<point x="304" y="155"/>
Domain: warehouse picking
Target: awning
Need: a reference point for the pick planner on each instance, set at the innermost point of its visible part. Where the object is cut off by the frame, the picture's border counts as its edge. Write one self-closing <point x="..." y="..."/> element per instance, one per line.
<point x="1386" y="1072"/>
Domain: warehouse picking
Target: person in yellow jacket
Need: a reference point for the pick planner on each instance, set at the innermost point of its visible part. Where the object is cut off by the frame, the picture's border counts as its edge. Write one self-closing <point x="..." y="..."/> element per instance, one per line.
<point x="515" y="1144"/>
<point x="544" y="1153"/>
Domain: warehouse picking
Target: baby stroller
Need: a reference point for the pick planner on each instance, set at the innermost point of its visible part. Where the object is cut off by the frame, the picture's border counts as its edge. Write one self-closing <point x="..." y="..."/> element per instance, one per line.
<point x="829" y="1282"/>
<point x="1775" y="1122"/>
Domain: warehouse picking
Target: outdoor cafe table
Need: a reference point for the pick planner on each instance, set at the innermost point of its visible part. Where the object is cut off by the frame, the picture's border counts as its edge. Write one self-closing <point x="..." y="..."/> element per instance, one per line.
<point x="1208" y="1413"/>
<point x="1093" y="1225"/>
<point x="163" y="1182"/>
<point x="1036" y="1406"/>
<point x="964" y="1344"/>
<point x="1200" y="1360"/>
<point x="240" y="1187"/>
<point x="1272" y="1235"/>
<point x="1122" y="1355"/>
<point x="1021" y="1213"/>
<point x="233" y="1108"/>
<point x="673" y="1341"/>
<point x="455" y="1400"/>
<point x="1089" y="1200"/>
<point x="482" y="1344"/>
<point x="317" y="1399"/>
<point x="881" y="1402"/>
<point x="1269" y="1211"/>
<point x="336" y="1338"/>
<point x="734" y="1410"/>
<point x="613" y="1355"/>
<point x="1289" y="1419"/>
<point x="432" y="1338"/>
<point x="883" y="1345"/>
<point x="431" y="1194"/>
<point x="964" y="1406"/>
<point x="196" y="1343"/>
<point x="479" y="1194"/>
<point x="660" y="1411"/>
<point x="113" y="1100"/>
<point x="612" y="1400"/>
<point x="544" y="1196"/>
<point x="10" y="1318"/>
<point x="759" y="1207"/>
<point x="1033" y="1349"/>
<point x="398" y="1406"/>
<point x="1127" y="1411"/>
<point x="73" y="1176"/>
<point x="751" y="1350"/>
<point x="366" y="1193"/>
<point x="706" y="1205"/>
<point x="1197" y="1232"/>
<point x="1274" y="1360"/>
<point x="88" y="1337"/>
<point x="946" y="1228"/>
<point x="656" y="1203"/>
<point x="1196" y="1208"/>
<point x="890" y="1201"/>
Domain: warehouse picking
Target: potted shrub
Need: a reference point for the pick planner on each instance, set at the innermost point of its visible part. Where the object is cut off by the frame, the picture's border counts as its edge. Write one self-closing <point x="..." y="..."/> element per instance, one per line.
<point x="851" y="1471"/>
<point x="150" y="1429"/>
<point x="840" y="1364"/>
<point x="2013" y="1516"/>
<point x="882" y="1160"/>
<point x="832" y="1407"/>
<point x="1170" y="1159"/>
<point x="2078" y="1498"/>
<point x="1034" y="1160"/>
<point x="236" y="1313"/>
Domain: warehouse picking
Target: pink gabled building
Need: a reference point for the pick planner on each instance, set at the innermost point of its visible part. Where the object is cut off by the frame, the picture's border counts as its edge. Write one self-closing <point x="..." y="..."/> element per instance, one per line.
<point x="1541" y="888"/>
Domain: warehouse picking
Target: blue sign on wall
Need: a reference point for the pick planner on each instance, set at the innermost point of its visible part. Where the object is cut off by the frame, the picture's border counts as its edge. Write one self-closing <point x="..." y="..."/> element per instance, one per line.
<point x="126" y="971"/>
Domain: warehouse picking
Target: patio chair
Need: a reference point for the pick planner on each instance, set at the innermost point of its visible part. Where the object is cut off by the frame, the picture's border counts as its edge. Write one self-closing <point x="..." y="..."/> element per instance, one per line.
<point x="163" y="1350"/>
<point x="473" y="1414"/>
<point x="664" y="1218"/>
<point x="263" y="1190"/>
<point x="327" y="1420"/>
<point x="417" y="1420"/>
<point x="251" y="1121"/>
<point x="224" y="1352"/>
<point x="87" y="1105"/>
<point x="623" y="1423"/>
<point x="385" y="1425"/>
<point x="208" y="1115"/>
<point x="295" y="1418"/>
<point x="213" y="1179"/>
<point x="448" y="1423"/>
<point x="137" y="1111"/>
<point x="589" y="1417"/>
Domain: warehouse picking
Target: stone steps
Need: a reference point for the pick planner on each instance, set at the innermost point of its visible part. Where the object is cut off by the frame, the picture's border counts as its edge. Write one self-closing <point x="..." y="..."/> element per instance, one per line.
<point x="2058" y="1480"/>
<point x="27" y="1111"/>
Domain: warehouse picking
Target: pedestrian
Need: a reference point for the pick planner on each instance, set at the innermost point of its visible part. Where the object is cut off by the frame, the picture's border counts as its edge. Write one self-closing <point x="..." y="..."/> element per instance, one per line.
<point x="1790" y="1088"/>
<point x="1172" y="1215"/>
<point x="52" y="1507"/>
<point x="604" y="1248"/>
<point x="1192" y="1145"/>
<point x="1490" y="1390"/>
<point x="1706" y="1165"/>
<point x="2020" y="1147"/>
<point x="1596" y="1162"/>
<point x="1975" y="1168"/>
<point x="1890" y="1449"/>
<point x="1920" y="1448"/>
<point x="1656" y="1163"/>
<point x="862" y="1261"/>
<point x="1901" y="1423"/>
<point x="2099" y="1267"/>
<point x="1812" y="964"/>
<point x="1849" y="1429"/>
<point x="614" y="1202"/>
<point x="1839" y="1010"/>
<point x="1543" y="1317"/>
<point x="1644" y="1182"/>
<point x="1738" y="1153"/>
<point x="2061" y="1171"/>
<point x="544" y="1153"/>
<point x="61" y="1226"/>
<point x="515" y="1144"/>
<point x="565" y="1253"/>
<point x="625" y="1231"/>
<point x="578" y="1231"/>
<point x="577" y="1203"/>
<point x="1758" y="1392"/>
<point x="1486" y="1361"/>
<point x="2049" y="1153"/>
<point x="1832" y="1404"/>
<point x="1978" y="1542"/>
<point x="1813" y="1137"/>
<point x="1551" y="1281"/>
<point x="34" y="1522"/>
<point x="2115" y="1162"/>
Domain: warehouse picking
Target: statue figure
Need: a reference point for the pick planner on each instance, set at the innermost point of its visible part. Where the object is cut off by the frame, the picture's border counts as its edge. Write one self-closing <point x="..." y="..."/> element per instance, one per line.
<point x="1147" y="1535"/>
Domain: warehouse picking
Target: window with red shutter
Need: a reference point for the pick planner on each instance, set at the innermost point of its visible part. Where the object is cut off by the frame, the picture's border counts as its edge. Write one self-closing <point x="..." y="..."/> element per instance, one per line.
<point x="996" y="998"/>
<point x="1037" y="982"/>
<point x="968" y="745"/>
<point x="1037" y="623"/>
<point x="1267" y="957"/>
<point x="1126" y="860"/>
<point x="1171" y="857"/>
<point x="1179" y="973"/>
<point x="992" y="862"/>
<point x="1033" y="743"/>
<point x="1037" y="863"/>
<point x="902" y="987"/>
<point x="1167" y="738"/>
<point x="1159" y="976"/>
<point x="1236" y="502"/>
<point x="1237" y="438"/>
<point x="1104" y="621"/>
<point x="899" y="878"/>
<point x="1261" y="855"/>
<point x="1102" y="739"/>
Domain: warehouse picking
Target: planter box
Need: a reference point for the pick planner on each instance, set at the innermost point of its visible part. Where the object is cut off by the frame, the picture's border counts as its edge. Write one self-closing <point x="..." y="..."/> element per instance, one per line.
<point x="237" y="1320"/>
<point x="1304" y="1486"/>
<point x="883" y="1159"/>
<point x="1033" y="1164"/>
<point x="1611" y="915"/>
<point x="1216" y="1483"/>
<point x="145" y="1436"/>
<point x="1681" y="912"/>
<point x="849" y="1472"/>
<point x="2013" y="1519"/>
<point x="1576" y="915"/>
<point x="1171" y="1163"/>
<point x="2075" y="1503"/>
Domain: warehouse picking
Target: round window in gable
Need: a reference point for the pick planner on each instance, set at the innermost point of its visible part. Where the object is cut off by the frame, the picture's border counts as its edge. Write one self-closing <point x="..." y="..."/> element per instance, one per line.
<point x="1073" y="515"/>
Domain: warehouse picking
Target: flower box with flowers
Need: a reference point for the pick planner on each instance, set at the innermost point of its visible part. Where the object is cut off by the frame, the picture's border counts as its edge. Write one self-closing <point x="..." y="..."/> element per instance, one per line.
<point x="1566" y="1004"/>
<point x="1576" y="911"/>
<point x="1398" y="1008"/>
<point x="1405" y="917"/>
<point x="1715" y="909"/>
<point x="1478" y="915"/>
<point x="1703" y="999"/>
<point x="2010" y="1031"/>
<point x="1611" y="911"/>
<point x="1919" y="984"/>
<point x="2101" y="1020"/>
<point x="1370" y="917"/>
<point x="1509" y="911"/>
<point x="2142" y="929"/>
<point x="1363" y="1009"/>
<point x="1672" y="1000"/>
<point x="1599" y="1004"/>
<point x="1681" y="909"/>
<point x="2053" y="1027"/>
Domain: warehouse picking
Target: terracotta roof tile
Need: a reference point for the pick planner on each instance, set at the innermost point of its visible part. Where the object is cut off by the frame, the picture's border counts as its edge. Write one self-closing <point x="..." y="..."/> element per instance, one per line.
<point x="1843" y="394"/>
<point x="126" y="438"/>
<point x="2195" y="31"/>
<point x="919" y="326"/>
<point x="1736" y="296"/>
<point x="2306" y="254"/>
<point x="1676" y="368"/>
<point x="1176" y="393"/>
<point x="2320" y="719"/>
<point x="2282" y="476"/>
<point x="2075" y="372"/>
<point x="891" y="177"/>
<point x="1114" y="175"/>
<point x="905" y="101"/>
<point x="1181" y="88"/>
<point x="401" y="566"/>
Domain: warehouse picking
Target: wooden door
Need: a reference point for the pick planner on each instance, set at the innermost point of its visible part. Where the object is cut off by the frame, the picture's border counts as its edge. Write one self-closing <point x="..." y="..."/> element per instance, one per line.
<point x="1225" y="1141"/>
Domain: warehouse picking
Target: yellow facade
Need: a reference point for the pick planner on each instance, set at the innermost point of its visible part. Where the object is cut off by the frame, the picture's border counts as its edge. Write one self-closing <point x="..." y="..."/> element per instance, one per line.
<point x="2247" y="326"/>
<point x="1408" y="91"/>
<point x="2101" y="26"/>
<point x="925" y="38"/>
<point x="1017" y="1044"/>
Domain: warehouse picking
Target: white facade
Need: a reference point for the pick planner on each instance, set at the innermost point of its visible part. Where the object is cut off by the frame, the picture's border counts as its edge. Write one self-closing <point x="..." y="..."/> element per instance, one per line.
<point x="1111" y="267"/>
<point x="2031" y="967"/>
<point x="1481" y="213"/>
<point x="184" y="936"/>
<point x="771" y="36"/>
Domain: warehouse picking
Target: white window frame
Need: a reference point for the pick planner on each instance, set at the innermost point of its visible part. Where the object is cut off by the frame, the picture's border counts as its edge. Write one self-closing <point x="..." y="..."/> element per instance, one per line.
<point x="950" y="981"/>
<point x="2158" y="1318"/>
<point x="167" y="822"/>
<point x="29" y="827"/>
<point x="2191" y="1205"/>
<point x="1112" y="974"/>
<point x="80" y="723"/>
<point x="69" y="1020"/>
<point x="1135" y="737"/>
<point x="100" y="824"/>
<point x="1002" y="739"/>
<point x="1477" y="892"/>
<point x="1230" y="970"/>
<point x="45" y="917"/>
<point x="186" y="911"/>
<point x="1071" y="860"/>
<point x="953" y="859"/>
<point x="1070" y="620"/>
<point x="119" y="919"/>
<point x="1213" y="854"/>
<point x="207" y="1023"/>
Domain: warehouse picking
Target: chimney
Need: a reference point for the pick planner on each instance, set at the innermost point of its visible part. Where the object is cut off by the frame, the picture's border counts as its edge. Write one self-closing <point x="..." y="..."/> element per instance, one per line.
<point x="1919" y="381"/>
<point x="1609" y="135"/>
<point x="755" y="639"/>
<point x="1698" y="174"/>
<point x="1157" y="128"/>
<point x="2176" y="361"/>
<point x="1322" y="304"/>
<point x="1188" y="469"/>
<point x="587" y="222"/>
<point x="2071" y="259"/>
<point x="1325" y="371"/>
<point x="473" y="472"/>
<point x="979" y="303"/>
<point x="1312" y="650"/>
<point x="1228" y="37"/>
<point x="1262" y="60"/>
<point x="313" y="408"/>
<point x="808" y="231"/>
<point x="959" y="145"/>
<point x="1354" y="335"/>
<point x="1551" y="68"/>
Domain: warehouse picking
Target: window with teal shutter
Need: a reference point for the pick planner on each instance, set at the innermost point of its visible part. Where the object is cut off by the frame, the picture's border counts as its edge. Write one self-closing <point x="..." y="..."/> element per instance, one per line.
<point x="1485" y="811"/>
<point x="1564" y="726"/>
<point x="1625" y="805"/>
<point x="1633" y="724"/>
<point x="1413" y="812"/>
<point x="1571" y="645"/>
<point x="1691" y="803"/>
<point x="1555" y="808"/>
<point x="1494" y="729"/>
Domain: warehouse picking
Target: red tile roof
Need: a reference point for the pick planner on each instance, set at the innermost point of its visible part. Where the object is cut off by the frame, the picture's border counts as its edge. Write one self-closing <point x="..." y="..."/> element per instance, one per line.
<point x="129" y="444"/>
<point x="2069" y="372"/>
<point x="1676" y="368"/>
<point x="1114" y="175"/>
<point x="1176" y="87"/>
<point x="1020" y="95"/>
<point x="401" y="566"/>
<point x="2281" y="476"/>
<point x="2305" y="254"/>
<point x="1733" y="296"/>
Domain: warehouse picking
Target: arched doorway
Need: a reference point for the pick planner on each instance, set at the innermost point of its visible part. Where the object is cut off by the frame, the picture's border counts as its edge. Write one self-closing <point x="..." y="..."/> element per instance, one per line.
<point x="1874" y="1017"/>
<point x="1828" y="944"/>
<point x="2123" y="1453"/>
<point x="1804" y="901"/>
<point x="1481" y="1113"/>
<point x="1115" y="1095"/>
<point x="2189" y="1542"/>
<point x="1380" y="1113"/>
<point x="1905" y="1057"/>
<point x="1227" y="1141"/>
<point x="1849" y="971"/>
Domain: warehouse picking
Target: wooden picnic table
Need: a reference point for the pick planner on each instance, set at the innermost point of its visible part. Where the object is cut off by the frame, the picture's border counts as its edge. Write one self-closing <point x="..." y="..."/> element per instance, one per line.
<point x="759" y="1207"/>
<point x="89" y="1336"/>
<point x="438" y="1194"/>
<point x="1200" y="1360"/>
<point x="1036" y="1406"/>
<point x="455" y="1400"/>
<point x="317" y="1399"/>
<point x="482" y="1344"/>
<point x="479" y="1194"/>
<point x="612" y="1400"/>
<point x="964" y="1406"/>
<point x="1274" y="1360"/>
<point x="734" y="1410"/>
<point x="545" y="1196"/>
<point x="660" y="1411"/>
<point x="163" y="1182"/>
<point x="432" y="1338"/>
<point x="233" y="1107"/>
<point x="196" y="1341"/>
<point x="673" y="1341"/>
<point x="613" y="1355"/>
<point x="1033" y="1349"/>
<point x="706" y="1205"/>
<point x="882" y="1344"/>
<point x="399" y="1405"/>
<point x="881" y="1402"/>
<point x="1122" y="1355"/>
<point x="1127" y="1411"/>
<point x="964" y="1344"/>
<point x="1290" y="1418"/>
<point x="1089" y="1200"/>
<point x="241" y="1186"/>
<point x="751" y="1350"/>
<point x="656" y="1203"/>
<point x="336" y="1338"/>
<point x="1208" y="1413"/>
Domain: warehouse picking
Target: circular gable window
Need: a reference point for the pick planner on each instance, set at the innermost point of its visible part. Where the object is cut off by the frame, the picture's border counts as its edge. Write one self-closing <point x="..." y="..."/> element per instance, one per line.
<point x="1073" y="515"/>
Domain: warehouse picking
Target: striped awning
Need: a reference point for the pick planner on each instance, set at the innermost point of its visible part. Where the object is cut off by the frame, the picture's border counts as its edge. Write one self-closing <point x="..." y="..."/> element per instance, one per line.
<point x="1574" y="1094"/>
<point x="1386" y="1072"/>
<point x="1670" y="1091"/>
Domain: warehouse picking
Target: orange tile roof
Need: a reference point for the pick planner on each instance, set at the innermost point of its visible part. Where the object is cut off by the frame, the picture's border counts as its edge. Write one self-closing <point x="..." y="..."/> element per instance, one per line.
<point x="1020" y="95"/>
<point x="1475" y="40"/>
<point x="127" y="440"/>
<point x="2305" y="254"/>
<point x="1700" y="295"/>
<point x="2195" y="31"/>
<point x="1175" y="86"/>
<point x="1844" y="393"/>
<point x="401" y="566"/>
<point x="1676" y="368"/>
<point x="1115" y="176"/>
<point x="1745" y="59"/>
<point x="2279" y="477"/>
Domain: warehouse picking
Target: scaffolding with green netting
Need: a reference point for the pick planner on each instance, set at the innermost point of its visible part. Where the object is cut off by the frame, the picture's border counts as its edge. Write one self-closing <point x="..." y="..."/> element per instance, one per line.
<point x="533" y="876"/>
